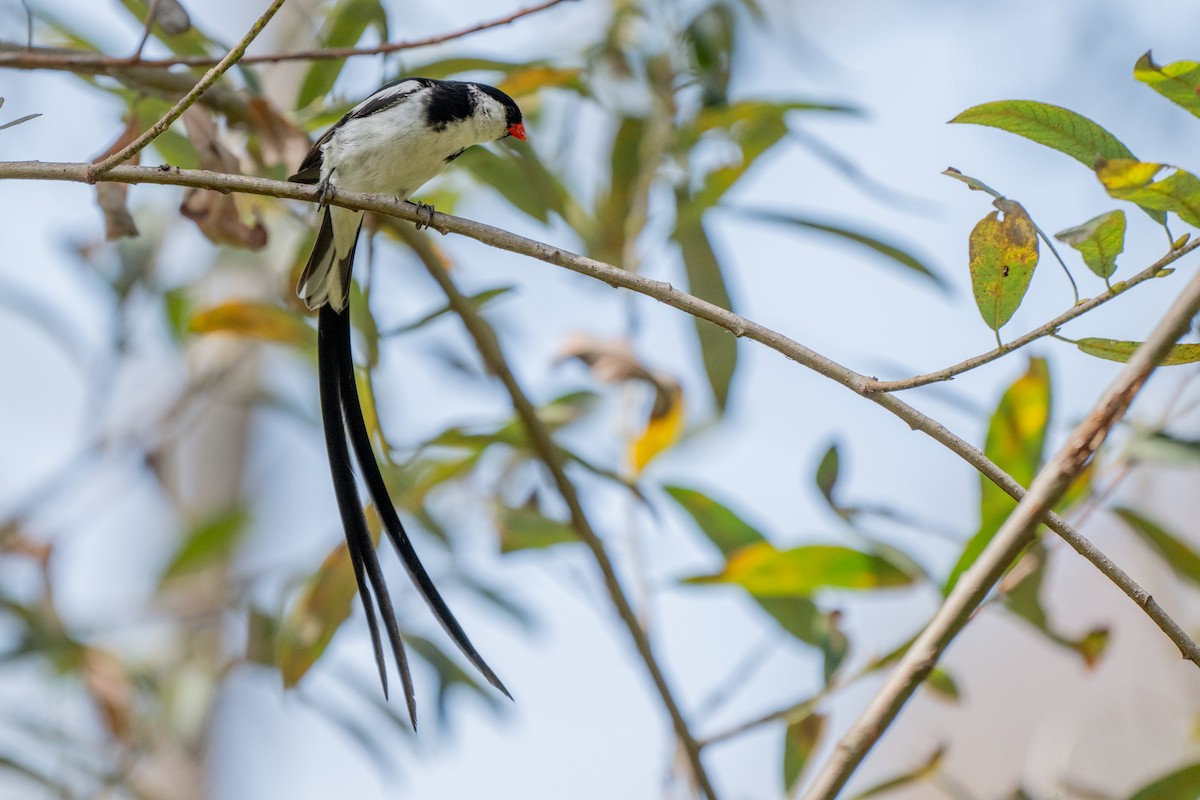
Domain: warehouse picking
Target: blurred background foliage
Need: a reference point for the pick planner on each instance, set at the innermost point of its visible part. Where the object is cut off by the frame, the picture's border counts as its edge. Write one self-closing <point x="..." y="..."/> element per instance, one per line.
<point x="649" y="100"/>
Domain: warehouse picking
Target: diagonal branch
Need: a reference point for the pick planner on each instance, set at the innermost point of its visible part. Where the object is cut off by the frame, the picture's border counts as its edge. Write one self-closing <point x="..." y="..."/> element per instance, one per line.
<point x="202" y="86"/>
<point x="547" y="451"/>
<point x="664" y="293"/>
<point x="24" y="57"/>
<point x="1015" y="534"/>
<point x="1039" y="332"/>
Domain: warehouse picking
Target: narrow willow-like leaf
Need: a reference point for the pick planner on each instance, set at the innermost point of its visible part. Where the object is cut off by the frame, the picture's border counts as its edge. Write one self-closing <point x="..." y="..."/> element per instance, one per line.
<point x="799" y="616"/>
<point x="255" y="320"/>
<point x="1182" y="784"/>
<point x="523" y="180"/>
<point x="800" y="739"/>
<point x="322" y="607"/>
<point x="718" y="348"/>
<point x="764" y="571"/>
<point x="344" y="27"/>
<point x="530" y="529"/>
<point x="1003" y="255"/>
<point x="1099" y="240"/>
<point x="921" y="772"/>
<point x="827" y="475"/>
<point x="1127" y="179"/>
<point x="724" y="528"/>
<point x="1016" y="437"/>
<point x="893" y="252"/>
<point x="208" y="543"/>
<point x="1058" y="128"/>
<point x="1181" y="557"/>
<point x="1178" y="81"/>
<point x="1113" y="350"/>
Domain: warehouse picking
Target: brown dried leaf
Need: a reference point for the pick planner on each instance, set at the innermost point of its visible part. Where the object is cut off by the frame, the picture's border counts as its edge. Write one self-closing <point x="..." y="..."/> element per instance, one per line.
<point x="118" y="222"/>
<point x="171" y="17"/>
<point x="279" y="141"/>
<point x="217" y="214"/>
<point x="110" y="687"/>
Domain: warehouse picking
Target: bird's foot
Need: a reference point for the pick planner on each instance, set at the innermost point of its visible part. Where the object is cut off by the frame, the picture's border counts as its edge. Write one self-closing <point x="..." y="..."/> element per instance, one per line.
<point x="325" y="192"/>
<point x="425" y="212"/>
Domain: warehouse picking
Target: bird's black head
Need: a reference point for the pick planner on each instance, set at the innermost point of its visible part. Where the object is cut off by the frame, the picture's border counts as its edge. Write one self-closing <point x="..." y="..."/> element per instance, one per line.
<point x="515" y="124"/>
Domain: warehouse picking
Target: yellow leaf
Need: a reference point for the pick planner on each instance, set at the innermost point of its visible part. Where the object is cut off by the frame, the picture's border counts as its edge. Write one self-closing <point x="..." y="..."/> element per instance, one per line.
<point x="254" y="320"/>
<point x="1003" y="255"/>
<point x="662" y="430"/>
<point x="1126" y="173"/>
<point x="324" y="605"/>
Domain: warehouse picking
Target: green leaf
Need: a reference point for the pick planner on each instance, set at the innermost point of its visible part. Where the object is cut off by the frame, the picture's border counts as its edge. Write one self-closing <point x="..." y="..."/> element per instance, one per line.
<point x="718" y="348"/>
<point x="530" y="529"/>
<point x="763" y="571"/>
<point x="1178" y="81"/>
<point x="800" y="739"/>
<point x="890" y="251"/>
<point x="521" y="178"/>
<point x="827" y="476"/>
<point x="19" y="120"/>
<point x="1023" y="597"/>
<point x="449" y="673"/>
<point x="343" y="27"/>
<point x="921" y="772"/>
<point x="1162" y="448"/>
<point x="1114" y="350"/>
<point x="1177" y="554"/>
<point x="1003" y="255"/>
<point x="942" y="684"/>
<point x="614" y="206"/>
<point x="755" y="126"/>
<point x="723" y="527"/>
<point x="209" y="543"/>
<point x="1127" y="179"/>
<point x="799" y="616"/>
<point x="1015" y="441"/>
<point x="478" y="300"/>
<point x="1182" y="784"/>
<point x="1055" y="127"/>
<point x="445" y="67"/>
<point x="325" y="603"/>
<point x="1099" y="240"/>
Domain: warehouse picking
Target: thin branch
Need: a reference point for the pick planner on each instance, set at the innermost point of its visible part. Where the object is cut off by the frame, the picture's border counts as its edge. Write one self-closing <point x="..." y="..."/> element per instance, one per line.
<point x="74" y="61"/>
<point x="210" y="77"/>
<point x="1017" y="532"/>
<point x="659" y="290"/>
<point x="548" y="452"/>
<point x="151" y="13"/>
<point x="1039" y="332"/>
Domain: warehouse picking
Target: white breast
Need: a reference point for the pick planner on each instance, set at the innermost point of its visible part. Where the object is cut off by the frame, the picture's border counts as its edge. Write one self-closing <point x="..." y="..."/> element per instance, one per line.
<point x="393" y="151"/>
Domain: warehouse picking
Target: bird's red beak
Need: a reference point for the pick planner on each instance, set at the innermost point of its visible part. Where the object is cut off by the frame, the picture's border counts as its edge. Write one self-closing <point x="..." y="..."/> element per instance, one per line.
<point x="517" y="131"/>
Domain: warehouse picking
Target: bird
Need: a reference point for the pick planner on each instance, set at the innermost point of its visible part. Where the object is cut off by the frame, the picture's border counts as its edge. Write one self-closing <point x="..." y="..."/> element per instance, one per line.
<point x="392" y="142"/>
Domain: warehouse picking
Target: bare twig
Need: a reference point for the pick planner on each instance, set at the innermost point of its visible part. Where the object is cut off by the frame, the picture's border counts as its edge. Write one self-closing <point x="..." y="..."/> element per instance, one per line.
<point x="548" y="452"/>
<point x="1039" y="332"/>
<point x="210" y="77"/>
<point x="73" y="61"/>
<point x="151" y="13"/>
<point x="1014" y="535"/>
<point x="659" y="290"/>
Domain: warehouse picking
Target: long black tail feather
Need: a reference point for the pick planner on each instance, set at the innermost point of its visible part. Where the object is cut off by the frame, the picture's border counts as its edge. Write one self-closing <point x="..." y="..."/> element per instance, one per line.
<point x="361" y="442"/>
<point x="331" y="355"/>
